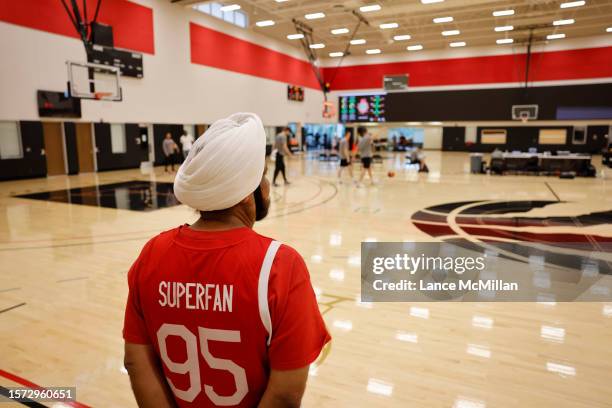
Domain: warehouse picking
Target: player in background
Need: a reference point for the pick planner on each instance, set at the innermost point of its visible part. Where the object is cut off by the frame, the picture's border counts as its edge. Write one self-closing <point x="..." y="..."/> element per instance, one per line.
<point x="218" y="315"/>
<point x="186" y="142"/>
<point x="345" y="156"/>
<point x="365" y="148"/>
<point x="169" y="149"/>
<point x="282" y="150"/>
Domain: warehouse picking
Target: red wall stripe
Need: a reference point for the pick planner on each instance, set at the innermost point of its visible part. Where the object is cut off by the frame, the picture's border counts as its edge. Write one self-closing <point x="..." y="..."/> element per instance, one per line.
<point x="215" y="49"/>
<point x="132" y="23"/>
<point x="546" y="66"/>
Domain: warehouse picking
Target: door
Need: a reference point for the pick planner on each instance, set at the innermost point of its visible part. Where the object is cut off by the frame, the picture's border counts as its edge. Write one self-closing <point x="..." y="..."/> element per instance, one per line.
<point x="453" y="139"/>
<point x="85" y="148"/>
<point x="200" y="129"/>
<point x="54" y="148"/>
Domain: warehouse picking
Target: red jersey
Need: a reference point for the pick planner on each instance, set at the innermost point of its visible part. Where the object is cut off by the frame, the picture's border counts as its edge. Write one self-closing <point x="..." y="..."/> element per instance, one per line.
<point x="221" y="309"/>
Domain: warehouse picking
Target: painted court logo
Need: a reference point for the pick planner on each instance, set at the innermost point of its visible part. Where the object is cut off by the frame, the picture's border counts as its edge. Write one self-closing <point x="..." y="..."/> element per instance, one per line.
<point x="493" y="251"/>
<point x="572" y="242"/>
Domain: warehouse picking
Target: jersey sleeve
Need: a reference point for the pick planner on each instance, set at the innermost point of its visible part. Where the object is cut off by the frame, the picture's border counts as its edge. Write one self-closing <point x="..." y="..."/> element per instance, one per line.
<point x="134" y="328"/>
<point x="298" y="330"/>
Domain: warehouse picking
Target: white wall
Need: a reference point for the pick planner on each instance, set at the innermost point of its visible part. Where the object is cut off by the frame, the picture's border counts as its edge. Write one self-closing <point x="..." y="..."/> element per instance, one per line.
<point x="432" y="138"/>
<point x="172" y="91"/>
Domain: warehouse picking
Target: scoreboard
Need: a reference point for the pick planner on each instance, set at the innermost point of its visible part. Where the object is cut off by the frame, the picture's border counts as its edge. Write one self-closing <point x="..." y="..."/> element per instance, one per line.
<point x="295" y="93"/>
<point x="362" y="108"/>
<point x="128" y="62"/>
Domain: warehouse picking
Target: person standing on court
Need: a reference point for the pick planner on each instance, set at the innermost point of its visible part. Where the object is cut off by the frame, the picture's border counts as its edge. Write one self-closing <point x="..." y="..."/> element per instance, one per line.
<point x="169" y="148"/>
<point x="186" y="142"/>
<point x="282" y="149"/>
<point x="345" y="155"/>
<point x="218" y="315"/>
<point x="365" y="148"/>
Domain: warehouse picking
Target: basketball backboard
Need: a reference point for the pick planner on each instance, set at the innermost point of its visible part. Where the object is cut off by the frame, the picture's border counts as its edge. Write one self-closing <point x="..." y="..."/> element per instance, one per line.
<point x="524" y="112"/>
<point x="87" y="80"/>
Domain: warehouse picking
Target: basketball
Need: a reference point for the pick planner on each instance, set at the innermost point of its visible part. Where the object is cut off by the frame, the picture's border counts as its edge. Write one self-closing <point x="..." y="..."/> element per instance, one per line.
<point x="391" y="174"/>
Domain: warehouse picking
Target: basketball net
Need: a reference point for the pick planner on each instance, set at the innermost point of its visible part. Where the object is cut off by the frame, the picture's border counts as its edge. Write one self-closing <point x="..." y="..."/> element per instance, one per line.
<point x="103" y="95"/>
<point x="524" y="117"/>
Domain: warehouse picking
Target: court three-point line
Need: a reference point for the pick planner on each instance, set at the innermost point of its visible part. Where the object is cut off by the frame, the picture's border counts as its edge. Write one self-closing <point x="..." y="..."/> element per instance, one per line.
<point x="12" y="307"/>
<point x="552" y="191"/>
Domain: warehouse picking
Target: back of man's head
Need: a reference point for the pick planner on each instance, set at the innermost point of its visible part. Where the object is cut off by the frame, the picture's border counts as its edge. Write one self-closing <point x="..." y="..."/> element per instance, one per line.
<point x="224" y="166"/>
<point x="361" y="130"/>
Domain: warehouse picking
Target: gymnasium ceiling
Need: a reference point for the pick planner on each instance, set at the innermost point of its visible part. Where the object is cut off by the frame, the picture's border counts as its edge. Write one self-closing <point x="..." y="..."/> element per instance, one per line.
<point x="473" y="18"/>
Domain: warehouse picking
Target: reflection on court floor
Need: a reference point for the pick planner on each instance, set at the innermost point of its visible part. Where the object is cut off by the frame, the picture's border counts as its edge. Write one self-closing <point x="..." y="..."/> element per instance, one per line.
<point x="131" y="195"/>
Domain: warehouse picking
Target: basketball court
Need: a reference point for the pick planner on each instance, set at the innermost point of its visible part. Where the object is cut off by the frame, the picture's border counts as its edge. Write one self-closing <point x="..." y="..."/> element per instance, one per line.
<point x="515" y="136"/>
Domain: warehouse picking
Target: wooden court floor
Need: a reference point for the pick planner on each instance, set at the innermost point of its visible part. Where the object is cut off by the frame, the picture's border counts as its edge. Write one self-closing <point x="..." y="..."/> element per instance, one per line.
<point x="63" y="287"/>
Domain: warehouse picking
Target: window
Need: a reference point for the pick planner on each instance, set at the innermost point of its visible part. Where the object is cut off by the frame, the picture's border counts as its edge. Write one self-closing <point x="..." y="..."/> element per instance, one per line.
<point x="493" y="136"/>
<point x="10" y="141"/>
<point x="406" y="134"/>
<point x="236" y="17"/>
<point x="215" y="10"/>
<point x="553" y="137"/>
<point x="240" y="19"/>
<point x="117" y="138"/>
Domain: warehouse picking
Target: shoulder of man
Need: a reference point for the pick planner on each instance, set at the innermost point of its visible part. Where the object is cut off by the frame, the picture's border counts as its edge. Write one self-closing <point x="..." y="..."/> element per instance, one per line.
<point x="286" y="254"/>
<point x="157" y="246"/>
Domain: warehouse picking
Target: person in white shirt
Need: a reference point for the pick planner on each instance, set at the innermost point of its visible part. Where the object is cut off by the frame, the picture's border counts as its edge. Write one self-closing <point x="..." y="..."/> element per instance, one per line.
<point x="186" y="141"/>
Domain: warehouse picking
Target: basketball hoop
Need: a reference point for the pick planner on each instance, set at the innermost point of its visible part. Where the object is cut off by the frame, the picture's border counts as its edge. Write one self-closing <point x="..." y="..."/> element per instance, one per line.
<point x="524" y="112"/>
<point x="99" y="82"/>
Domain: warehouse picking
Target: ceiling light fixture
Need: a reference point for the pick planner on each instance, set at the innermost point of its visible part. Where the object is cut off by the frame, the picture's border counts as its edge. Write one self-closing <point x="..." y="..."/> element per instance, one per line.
<point x="231" y="7"/>
<point x="358" y="41"/>
<point x="564" y="22"/>
<point x="386" y="26"/>
<point x="504" y="28"/>
<point x="457" y="44"/>
<point x="373" y="51"/>
<point x="439" y="20"/>
<point x="265" y="23"/>
<point x="505" y="41"/>
<point x="501" y="13"/>
<point x="573" y="4"/>
<point x="451" y="32"/>
<point x="431" y="1"/>
<point x="336" y="54"/>
<point x="402" y="37"/>
<point x="337" y="31"/>
<point x="609" y="30"/>
<point x="555" y="36"/>
<point x="314" y="16"/>
<point x="295" y="36"/>
<point x="371" y="7"/>
<point x="416" y="47"/>
<point x="317" y="46"/>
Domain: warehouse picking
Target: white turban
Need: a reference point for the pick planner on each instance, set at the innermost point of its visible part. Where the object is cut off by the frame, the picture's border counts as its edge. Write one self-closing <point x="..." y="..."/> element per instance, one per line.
<point x="224" y="165"/>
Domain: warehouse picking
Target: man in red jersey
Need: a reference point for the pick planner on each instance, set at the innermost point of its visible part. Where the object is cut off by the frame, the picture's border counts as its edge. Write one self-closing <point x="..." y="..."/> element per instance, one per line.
<point x="218" y="315"/>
